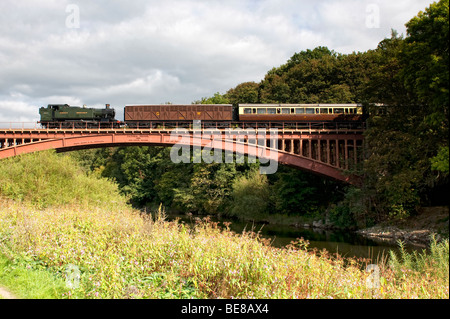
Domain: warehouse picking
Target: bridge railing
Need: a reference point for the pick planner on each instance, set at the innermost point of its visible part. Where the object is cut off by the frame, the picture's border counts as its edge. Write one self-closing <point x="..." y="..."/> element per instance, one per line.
<point x="19" y="125"/>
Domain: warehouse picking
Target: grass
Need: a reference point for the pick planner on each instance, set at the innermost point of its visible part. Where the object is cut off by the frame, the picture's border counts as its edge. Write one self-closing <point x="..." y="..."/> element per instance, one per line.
<point x="28" y="283"/>
<point x="45" y="179"/>
<point x="432" y="266"/>
<point x="122" y="253"/>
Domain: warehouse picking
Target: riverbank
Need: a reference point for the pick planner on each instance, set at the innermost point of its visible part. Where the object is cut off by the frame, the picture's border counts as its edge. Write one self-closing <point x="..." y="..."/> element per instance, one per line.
<point x="415" y="230"/>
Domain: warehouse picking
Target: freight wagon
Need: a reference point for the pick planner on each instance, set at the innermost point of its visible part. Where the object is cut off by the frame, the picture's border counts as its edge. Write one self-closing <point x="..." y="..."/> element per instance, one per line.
<point x="153" y="115"/>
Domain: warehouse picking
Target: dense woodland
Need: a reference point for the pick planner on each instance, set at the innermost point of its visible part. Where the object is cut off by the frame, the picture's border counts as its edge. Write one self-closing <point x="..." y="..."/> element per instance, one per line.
<point x="406" y="151"/>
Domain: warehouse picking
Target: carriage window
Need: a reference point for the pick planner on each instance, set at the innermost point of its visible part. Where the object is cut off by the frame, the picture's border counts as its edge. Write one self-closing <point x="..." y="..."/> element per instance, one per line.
<point x="309" y="110"/>
<point x="278" y="111"/>
<point x="261" y="111"/>
<point x="352" y="111"/>
<point x="346" y="111"/>
<point x="299" y="110"/>
<point x="330" y="111"/>
<point x="271" y="110"/>
<point x="254" y="111"/>
<point x="323" y="111"/>
<point x="292" y="111"/>
<point x="285" y="111"/>
<point x="247" y="111"/>
<point x="338" y="111"/>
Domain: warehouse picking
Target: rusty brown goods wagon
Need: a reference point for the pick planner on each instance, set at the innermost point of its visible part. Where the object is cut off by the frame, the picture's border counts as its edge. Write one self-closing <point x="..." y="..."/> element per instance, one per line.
<point x="178" y="113"/>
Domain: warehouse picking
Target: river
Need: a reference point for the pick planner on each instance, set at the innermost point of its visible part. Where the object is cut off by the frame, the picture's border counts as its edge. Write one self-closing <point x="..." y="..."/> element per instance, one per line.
<point x="346" y="243"/>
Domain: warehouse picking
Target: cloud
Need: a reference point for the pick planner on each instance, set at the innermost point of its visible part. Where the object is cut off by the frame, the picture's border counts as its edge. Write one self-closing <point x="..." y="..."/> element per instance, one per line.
<point x="167" y="51"/>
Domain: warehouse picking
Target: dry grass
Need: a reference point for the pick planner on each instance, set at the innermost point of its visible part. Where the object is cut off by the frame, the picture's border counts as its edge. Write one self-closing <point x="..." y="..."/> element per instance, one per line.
<point x="123" y="254"/>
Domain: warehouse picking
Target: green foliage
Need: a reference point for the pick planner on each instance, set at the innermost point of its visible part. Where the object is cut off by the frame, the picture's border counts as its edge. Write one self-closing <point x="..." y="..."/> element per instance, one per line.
<point x="170" y="181"/>
<point x="441" y="161"/>
<point x="308" y="55"/>
<point x="27" y="280"/>
<point x="46" y="179"/>
<point x="351" y="211"/>
<point x="209" y="189"/>
<point x="294" y="193"/>
<point x="407" y="139"/>
<point x="250" y="195"/>
<point x="426" y="59"/>
<point x="318" y="76"/>
<point x="216" y="99"/>
<point x="434" y="262"/>
<point x="247" y="92"/>
<point x="341" y="216"/>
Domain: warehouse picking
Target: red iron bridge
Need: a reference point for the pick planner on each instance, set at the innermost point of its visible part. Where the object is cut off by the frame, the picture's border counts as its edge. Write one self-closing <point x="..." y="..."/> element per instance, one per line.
<point x="329" y="149"/>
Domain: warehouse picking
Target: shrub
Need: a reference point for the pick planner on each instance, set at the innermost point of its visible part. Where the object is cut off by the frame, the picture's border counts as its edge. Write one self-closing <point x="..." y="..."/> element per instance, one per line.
<point x="46" y="179"/>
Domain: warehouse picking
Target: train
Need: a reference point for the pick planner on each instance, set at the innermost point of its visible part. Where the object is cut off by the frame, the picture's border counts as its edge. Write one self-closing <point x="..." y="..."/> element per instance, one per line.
<point x="64" y="116"/>
<point x="152" y="116"/>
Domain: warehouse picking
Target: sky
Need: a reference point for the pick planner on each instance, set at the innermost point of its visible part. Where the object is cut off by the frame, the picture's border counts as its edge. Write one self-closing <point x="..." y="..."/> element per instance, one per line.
<point x="118" y="52"/>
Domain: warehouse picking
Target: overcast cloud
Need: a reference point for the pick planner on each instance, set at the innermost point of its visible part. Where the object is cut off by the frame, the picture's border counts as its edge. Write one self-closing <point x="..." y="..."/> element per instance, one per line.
<point x="128" y="52"/>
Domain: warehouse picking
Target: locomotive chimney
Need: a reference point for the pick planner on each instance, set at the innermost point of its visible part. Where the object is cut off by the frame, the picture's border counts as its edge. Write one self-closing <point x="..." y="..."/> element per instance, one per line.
<point x="107" y="106"/>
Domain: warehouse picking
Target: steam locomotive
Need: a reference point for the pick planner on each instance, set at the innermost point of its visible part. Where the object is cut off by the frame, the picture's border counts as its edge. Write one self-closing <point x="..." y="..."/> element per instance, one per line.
<point x="66" y="116"/>
<point x="151" y="116"/>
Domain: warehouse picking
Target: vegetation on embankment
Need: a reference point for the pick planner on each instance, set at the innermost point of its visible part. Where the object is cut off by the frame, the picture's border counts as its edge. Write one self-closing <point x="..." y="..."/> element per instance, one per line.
<point x="45" y="179"/>
<point x="122" y="253"/>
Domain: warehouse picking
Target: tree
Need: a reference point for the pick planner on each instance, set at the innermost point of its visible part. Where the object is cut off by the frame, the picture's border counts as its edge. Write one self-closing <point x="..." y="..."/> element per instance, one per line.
<point x="294" y="194"/>
<point x="247" y="92"/>
<point x="426" y="71"/>
<point x="308" y="55"/>
<point x="319" y="76"/>
<point x="426" y="58"/>
<point x="216" y="99"/>
<point x="409" y="132"/>
<point x="250" y="195"/>
<point x="209" y="189"/>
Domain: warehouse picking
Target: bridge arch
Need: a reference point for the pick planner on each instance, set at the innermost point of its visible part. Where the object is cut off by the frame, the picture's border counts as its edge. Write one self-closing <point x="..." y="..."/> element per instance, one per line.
<point x="282" y="156"/>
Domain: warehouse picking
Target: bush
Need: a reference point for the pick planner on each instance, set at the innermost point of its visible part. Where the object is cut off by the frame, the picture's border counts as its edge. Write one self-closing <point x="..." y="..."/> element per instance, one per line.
<point x="341" y="216"/>
<point x="250" y="195"/>
<point x="46" y="179"/>
<point x="434" y="263"/>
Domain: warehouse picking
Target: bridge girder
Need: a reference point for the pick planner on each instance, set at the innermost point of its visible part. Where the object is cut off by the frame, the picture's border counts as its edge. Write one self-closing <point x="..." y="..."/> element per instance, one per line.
<point x="319" y="154"/>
